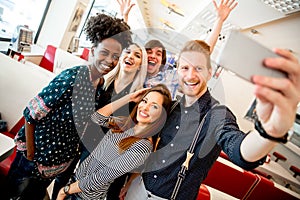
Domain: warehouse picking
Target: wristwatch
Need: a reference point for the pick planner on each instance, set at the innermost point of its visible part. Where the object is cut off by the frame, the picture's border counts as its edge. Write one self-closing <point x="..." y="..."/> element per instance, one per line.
<point x="66" y="189"/>
<point x="263" y="133"/>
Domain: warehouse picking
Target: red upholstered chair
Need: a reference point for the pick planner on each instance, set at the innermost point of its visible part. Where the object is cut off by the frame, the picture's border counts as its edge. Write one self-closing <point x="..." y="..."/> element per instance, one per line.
<point x="85" y="54"/>
<point x="295" y="170"/>
<point x="279" y="156"/>
<point x="47" y="61"/>
<point x="223" y="172"/>
<point x="18" y="56"/>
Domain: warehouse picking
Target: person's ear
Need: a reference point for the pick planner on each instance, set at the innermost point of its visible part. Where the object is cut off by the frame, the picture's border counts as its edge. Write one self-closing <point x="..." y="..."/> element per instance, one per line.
<point x="93" y="51"/>
<point x="209" y="73"/>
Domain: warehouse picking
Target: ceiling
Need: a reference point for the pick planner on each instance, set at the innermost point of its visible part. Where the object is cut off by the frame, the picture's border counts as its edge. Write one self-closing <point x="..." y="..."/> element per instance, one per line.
<point x="274" y="28"/>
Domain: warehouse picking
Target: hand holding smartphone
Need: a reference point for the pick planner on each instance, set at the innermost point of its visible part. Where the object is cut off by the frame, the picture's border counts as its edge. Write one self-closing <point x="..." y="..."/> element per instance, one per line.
<point x="244" y="57"/>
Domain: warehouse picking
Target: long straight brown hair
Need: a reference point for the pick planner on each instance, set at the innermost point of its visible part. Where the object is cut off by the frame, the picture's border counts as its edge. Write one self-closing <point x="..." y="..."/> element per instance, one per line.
<point x="131" y="121"/>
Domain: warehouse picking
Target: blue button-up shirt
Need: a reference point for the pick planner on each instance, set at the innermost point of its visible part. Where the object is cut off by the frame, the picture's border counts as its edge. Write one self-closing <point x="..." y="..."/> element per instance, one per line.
<point x="219" y="132"/>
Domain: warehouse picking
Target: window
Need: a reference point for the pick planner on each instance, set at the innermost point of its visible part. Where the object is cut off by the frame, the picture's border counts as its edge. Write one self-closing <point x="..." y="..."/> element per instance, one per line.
<point x="20" y="12"/>
<point x="111" y="7"/>
<point x="99" y="6"/>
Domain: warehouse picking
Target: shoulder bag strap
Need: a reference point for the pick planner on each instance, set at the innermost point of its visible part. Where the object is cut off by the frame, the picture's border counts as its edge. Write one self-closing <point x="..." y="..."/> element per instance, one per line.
<point x="189" y="155"/>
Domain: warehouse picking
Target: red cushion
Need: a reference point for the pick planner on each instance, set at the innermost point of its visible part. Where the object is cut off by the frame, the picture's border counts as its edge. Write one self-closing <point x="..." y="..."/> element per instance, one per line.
<point x="220" y="175"/>
<point x="5" y="164"/>
<point x="203" y="193"/>
<point x="265" y="189"/>
<point x="224" y="155"/>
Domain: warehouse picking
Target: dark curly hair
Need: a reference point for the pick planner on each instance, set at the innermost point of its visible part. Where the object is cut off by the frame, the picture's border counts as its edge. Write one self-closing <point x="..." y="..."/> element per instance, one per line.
<point x="102" y="26"/>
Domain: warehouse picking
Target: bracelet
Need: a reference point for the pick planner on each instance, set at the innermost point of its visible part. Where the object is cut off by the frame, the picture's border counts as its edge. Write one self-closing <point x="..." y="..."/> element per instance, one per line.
<point x="264" y="134"/>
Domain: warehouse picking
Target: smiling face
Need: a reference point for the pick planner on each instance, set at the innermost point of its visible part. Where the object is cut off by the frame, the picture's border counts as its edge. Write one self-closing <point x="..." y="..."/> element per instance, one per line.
<point x="106" y="55"/>
<point x="150" y="108"/>
<point x="155" y="55"/>
<point x="131" y="59"/>
<point x="193" y="74"/>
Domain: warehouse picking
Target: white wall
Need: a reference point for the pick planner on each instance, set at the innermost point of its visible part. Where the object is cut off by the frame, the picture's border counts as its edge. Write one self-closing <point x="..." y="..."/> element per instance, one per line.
<point x="18" y="84"/>
<point x="281" y="33"/>
<point x="237" y="95"/>
<point x="56" y="25"/>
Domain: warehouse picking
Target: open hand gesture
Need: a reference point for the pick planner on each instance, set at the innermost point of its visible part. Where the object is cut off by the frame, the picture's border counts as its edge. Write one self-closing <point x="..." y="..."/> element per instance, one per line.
<point x="225" y="7"/>
<point x="125" y="7"/>
<point x="277" y="98"/>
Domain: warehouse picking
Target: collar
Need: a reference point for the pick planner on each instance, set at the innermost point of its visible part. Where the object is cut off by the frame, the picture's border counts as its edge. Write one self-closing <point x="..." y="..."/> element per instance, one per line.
<point x="202" y="104"/>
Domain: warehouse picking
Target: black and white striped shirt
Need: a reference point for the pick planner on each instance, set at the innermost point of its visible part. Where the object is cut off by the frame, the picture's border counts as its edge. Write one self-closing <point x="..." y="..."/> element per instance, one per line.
<point x="105" y="164"/>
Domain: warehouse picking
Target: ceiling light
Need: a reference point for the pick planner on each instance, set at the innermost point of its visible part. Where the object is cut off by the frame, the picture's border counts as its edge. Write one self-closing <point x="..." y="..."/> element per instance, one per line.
<point x="284" y="6"/>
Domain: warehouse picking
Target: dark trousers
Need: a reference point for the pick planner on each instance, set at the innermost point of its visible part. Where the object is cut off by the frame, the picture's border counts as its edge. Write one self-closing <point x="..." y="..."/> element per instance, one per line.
<point x="24" y="181"/>
<point x="115" y="188"/>
<point x="62" y="179"/>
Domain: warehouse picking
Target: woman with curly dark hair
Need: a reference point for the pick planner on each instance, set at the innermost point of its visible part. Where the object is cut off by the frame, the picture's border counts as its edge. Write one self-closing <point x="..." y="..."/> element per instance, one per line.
<point x="108" y="36"/>
<point x="48" y="145"/>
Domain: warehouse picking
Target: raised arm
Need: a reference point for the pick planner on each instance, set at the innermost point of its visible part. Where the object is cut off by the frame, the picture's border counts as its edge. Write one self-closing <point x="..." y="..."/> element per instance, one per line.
<point x="222" y="11"/>
<point x="115" y="105"/>
<point x="125" y="7"/>
<point x="277" y="100"/>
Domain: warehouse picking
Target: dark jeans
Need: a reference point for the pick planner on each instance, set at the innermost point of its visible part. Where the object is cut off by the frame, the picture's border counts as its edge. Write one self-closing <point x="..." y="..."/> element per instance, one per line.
<point x="23" y="181"/>
<point x="62" y="179"/>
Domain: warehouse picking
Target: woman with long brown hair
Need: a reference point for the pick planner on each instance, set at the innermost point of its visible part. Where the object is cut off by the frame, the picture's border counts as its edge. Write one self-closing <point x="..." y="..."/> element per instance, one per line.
<point x="125" y="146"/>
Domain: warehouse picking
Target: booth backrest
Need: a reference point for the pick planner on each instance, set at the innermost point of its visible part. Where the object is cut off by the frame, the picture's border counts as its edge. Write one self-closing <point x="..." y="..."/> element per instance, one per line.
<point x="47" y="61"/>
<point x="18" y="84"/>
<point x="266" y="189"/>
<point x="224" y="172"/>
<point x="64" y="60"/>
<point x="85" y="54"/>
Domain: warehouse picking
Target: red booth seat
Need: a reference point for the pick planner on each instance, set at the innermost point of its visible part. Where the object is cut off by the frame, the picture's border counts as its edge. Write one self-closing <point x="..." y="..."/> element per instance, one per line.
<point x="224" y="172"/>
<point x="266" y="189"/>
<point x="241" y="184"/>
<point x="23" y="83"/>
<point x="5" y="164"/>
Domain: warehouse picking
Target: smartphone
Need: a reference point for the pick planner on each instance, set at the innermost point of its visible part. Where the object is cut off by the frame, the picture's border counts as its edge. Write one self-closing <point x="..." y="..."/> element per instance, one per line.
<point x="244" y="57"/>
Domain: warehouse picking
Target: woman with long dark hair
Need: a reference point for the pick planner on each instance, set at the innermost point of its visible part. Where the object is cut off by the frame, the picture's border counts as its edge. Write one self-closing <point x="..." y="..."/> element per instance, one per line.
<point x="125" y="146"/>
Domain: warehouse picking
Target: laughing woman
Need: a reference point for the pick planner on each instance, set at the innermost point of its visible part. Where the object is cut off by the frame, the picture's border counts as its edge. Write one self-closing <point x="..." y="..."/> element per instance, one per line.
<point x="126" y="145"/>
<point x="128" y="76"/>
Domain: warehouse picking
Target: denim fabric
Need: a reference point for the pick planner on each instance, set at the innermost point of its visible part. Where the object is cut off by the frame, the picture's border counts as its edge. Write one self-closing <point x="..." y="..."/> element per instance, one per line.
<point x="24" y="181"/>
<point x="64" y="178"/>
